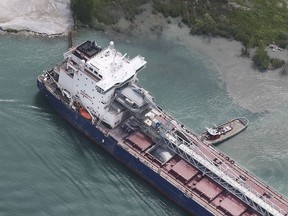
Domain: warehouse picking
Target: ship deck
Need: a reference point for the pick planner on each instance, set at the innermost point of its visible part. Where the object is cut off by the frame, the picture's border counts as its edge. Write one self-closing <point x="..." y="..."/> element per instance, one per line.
<point x="194" y="183"/>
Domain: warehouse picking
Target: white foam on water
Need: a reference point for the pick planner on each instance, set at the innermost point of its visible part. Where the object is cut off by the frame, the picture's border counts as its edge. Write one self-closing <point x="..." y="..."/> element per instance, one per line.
<point x="8" y="100"/>
<point x="42" y="16"/>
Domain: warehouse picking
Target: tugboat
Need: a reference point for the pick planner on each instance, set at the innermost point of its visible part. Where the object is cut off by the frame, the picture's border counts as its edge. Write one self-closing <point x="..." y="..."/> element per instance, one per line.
<point x="97" y="91"/>
<point x="223" y="132"/>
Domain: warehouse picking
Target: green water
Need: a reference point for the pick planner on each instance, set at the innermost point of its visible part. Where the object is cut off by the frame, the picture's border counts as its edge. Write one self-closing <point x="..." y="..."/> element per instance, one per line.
<point x="49" y="168"/>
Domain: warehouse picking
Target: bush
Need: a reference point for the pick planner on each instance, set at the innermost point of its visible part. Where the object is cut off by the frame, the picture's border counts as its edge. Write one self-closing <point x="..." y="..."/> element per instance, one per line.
<point x="261" y="58"/>
<point x="282" y="39"/>
<point x="82" y="10"/>
<point x="245" y="52"/>
<point x="276" y="63"/>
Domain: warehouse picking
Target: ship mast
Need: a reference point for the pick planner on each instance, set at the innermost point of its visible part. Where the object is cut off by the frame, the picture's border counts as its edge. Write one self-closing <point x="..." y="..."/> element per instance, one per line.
<point x="70" y="40"/>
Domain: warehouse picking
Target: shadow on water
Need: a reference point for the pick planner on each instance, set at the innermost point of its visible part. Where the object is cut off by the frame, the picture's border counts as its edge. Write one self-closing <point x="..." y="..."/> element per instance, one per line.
<point x="41" y="102"/>
<point x="60" y="122"/>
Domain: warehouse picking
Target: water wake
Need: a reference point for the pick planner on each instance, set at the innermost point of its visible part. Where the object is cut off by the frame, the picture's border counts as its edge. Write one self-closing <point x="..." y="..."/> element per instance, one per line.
<point x="8" y="100"/>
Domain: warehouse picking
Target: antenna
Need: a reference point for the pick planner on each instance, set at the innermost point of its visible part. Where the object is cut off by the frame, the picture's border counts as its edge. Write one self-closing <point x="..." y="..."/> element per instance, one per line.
<point x="112" y="47"/>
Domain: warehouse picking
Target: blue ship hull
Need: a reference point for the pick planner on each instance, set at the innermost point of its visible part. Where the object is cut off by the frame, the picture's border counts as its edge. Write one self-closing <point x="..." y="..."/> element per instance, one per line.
<point x="111" y="146"/>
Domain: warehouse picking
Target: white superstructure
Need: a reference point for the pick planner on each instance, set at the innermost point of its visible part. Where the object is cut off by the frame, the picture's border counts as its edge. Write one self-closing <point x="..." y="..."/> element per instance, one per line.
<point x="92" y="75"/>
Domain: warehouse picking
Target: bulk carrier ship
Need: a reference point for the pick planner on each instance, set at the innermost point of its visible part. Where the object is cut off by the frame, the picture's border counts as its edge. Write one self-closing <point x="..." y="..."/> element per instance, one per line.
<point x="97" y="91"/>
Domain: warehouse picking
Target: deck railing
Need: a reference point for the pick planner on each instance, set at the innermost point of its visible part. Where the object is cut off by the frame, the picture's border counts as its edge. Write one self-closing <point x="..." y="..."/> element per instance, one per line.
<point x="222" y="174"/>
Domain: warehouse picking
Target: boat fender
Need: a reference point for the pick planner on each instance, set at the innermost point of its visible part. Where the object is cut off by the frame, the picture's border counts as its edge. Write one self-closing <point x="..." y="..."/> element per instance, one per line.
<point x="232" y="161"/>
<point x="227" y="158"/>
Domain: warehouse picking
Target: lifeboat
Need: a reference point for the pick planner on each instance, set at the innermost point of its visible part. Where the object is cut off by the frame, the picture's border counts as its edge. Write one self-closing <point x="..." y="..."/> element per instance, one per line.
<point x="83" y="112"/>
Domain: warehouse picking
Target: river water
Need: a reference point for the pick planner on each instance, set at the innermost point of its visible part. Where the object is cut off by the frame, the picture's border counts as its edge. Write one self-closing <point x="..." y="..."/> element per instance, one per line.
<point x="48" y="168"/>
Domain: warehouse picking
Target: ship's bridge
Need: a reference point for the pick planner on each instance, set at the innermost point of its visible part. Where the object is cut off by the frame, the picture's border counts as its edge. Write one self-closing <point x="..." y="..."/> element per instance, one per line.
<point x="114" y="67"/>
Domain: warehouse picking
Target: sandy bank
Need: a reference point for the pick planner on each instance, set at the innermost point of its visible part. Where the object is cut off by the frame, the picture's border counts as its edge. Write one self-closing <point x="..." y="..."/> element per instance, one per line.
<point x="251" y="89"/>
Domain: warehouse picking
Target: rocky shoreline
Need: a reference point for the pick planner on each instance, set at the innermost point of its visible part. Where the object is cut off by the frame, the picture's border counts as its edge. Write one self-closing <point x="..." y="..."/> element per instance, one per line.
<point x="36" y="17"/>
<point x="27" y="32"/>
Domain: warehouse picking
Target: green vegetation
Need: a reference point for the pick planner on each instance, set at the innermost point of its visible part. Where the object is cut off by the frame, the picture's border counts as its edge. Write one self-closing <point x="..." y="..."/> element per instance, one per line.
<point x="12" y="30"/>
<point x="104" y="12"/>
<point x="173" y="8"/>
<point x="264" y="21"/>
<point x="264" y="62"/>
<point x="252" y="22"/>
<point x="276" y="63"/>
<point x="261" y="58"/>
<point x="83" y="10"/>
<point x="245" y="52"/>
